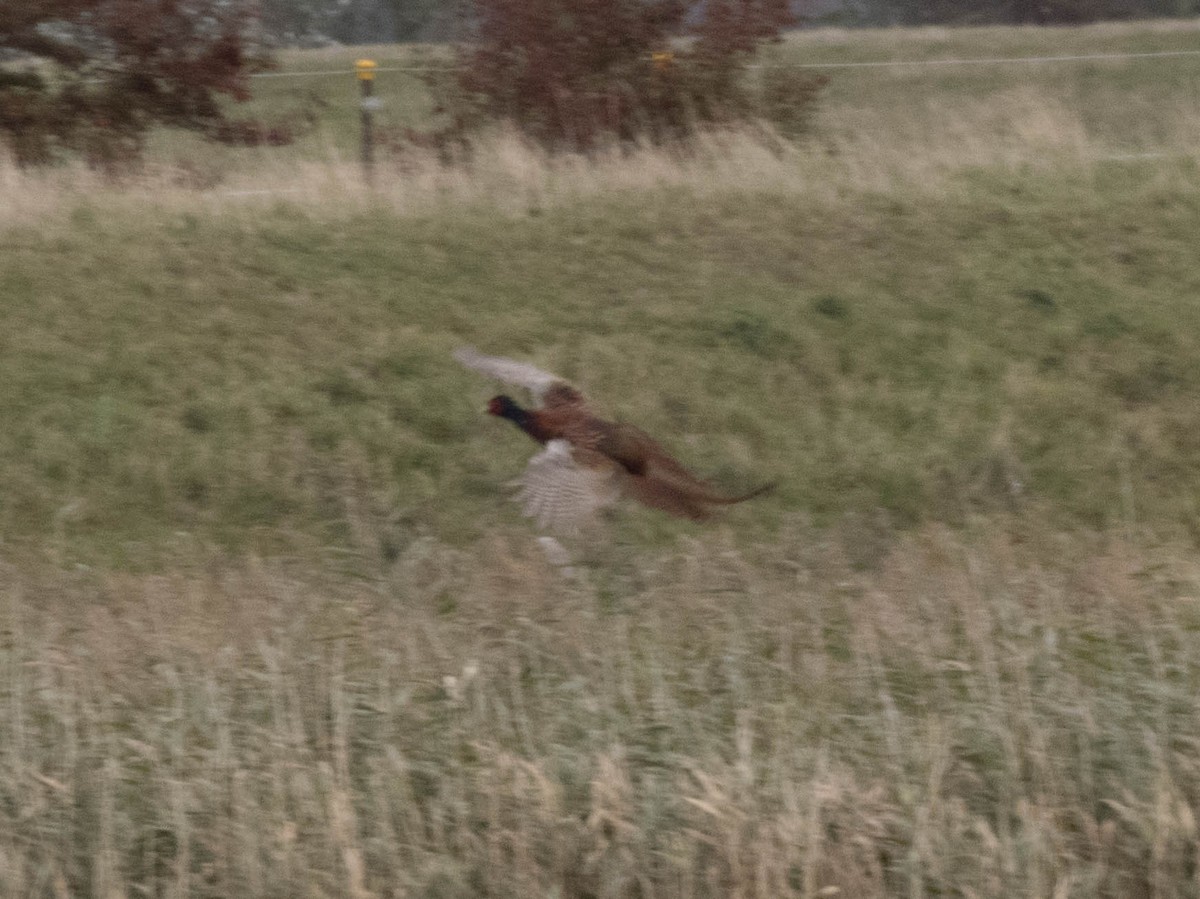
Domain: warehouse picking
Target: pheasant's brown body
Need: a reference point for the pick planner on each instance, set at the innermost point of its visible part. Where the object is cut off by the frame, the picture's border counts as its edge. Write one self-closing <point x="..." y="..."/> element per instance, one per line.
<point x="588" y="460"/>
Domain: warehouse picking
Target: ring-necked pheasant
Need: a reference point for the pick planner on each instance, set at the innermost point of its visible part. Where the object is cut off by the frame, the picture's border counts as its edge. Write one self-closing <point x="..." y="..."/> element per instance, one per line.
<point x="588" y="462"/>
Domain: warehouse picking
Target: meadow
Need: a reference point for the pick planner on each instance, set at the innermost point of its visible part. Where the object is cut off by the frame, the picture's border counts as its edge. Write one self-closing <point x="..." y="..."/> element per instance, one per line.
<point x="269" y="625"/>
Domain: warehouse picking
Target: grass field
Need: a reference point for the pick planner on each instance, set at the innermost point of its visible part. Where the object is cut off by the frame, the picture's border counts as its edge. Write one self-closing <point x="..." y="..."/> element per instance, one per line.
<point x="270" y="627"/>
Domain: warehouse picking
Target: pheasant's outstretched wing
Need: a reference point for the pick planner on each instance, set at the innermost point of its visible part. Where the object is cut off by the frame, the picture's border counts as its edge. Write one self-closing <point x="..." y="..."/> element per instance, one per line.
<point x="563" y="488"/>
<point x="520" y="374"/>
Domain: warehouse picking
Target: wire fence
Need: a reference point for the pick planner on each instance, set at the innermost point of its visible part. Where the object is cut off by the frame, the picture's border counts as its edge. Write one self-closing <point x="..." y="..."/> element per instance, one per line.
<point x="344" y="72"/>
<point x="370" y="103"/>
<point x="864" y="64"/>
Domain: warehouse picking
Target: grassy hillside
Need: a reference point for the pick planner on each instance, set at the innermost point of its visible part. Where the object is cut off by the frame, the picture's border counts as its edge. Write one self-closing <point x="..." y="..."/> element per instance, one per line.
<point x="1015" y="343"/>
<point x="269" y="625"/>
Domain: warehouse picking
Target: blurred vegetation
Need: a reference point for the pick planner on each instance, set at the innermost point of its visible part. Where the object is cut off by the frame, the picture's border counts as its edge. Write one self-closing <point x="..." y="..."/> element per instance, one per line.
<point x="269" y="625"/>
<point x="957" y="714"/>
<point x="92" y="77"/>
<point x="576" y="74"/>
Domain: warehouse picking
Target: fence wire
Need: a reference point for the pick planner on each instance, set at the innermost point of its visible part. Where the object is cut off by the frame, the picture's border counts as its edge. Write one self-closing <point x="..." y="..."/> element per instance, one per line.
<point x="865" y="64"/>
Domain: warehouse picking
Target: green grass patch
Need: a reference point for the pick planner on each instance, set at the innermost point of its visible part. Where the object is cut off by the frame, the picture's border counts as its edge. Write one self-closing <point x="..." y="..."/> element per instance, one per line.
<point x="1024" y="342"/>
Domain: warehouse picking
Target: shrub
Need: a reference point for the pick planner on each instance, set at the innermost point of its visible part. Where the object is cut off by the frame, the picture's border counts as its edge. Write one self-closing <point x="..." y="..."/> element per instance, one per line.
<point x="277" y="132"/>
<point x="575" y="73"/>
<point x="93" y="76"/>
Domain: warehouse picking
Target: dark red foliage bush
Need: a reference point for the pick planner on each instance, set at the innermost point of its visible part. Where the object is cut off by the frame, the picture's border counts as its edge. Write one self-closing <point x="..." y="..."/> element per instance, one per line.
<point x="93" y="76"/>
<point x="575" y="73"/>
<point x="252" y="132"/>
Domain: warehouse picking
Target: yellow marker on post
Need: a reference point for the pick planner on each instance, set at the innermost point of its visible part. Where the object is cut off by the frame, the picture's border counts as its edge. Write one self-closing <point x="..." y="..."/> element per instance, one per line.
<point x="366" y="77"/>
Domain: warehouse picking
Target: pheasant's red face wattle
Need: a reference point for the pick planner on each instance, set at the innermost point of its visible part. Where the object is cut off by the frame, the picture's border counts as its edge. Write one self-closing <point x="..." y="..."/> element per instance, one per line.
<point x="495" y="406"/>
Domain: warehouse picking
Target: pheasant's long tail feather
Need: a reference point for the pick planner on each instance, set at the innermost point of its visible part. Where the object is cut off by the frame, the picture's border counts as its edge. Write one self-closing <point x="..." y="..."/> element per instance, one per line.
<point x="666" y="497"/>
<point x="741" y="498"/>
<point x="667" y="471"/>
<point x="681" y="493"/>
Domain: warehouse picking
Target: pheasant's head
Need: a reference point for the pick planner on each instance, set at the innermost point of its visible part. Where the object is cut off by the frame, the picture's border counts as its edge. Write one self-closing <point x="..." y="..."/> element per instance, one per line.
<point x="503" y="406"/>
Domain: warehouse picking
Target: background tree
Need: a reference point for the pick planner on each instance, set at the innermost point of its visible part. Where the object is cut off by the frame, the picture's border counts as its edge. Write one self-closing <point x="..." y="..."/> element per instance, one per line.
<point x="94" y="75"/>
<point x="572" y="73"/>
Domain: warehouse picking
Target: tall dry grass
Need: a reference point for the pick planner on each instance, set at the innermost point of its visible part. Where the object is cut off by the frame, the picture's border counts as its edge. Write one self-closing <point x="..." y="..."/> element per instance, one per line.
<point x="965" y="716"/>
<point x="922" y="145"/>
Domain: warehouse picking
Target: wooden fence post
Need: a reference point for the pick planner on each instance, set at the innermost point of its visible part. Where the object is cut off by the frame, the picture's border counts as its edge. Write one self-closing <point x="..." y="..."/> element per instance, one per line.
<point x="366" y="78"/>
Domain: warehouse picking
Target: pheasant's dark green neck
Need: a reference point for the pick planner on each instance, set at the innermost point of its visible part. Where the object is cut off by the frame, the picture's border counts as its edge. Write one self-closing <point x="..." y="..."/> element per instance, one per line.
<point x="523" y="418"/>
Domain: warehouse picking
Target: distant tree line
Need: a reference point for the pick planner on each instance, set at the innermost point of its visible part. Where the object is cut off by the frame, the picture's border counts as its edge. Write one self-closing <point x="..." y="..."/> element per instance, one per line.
<point x="315" y="22"/>
<point x="992" y="12"/>
<point x="301" y="22"/>
<point x="92" y="77"/>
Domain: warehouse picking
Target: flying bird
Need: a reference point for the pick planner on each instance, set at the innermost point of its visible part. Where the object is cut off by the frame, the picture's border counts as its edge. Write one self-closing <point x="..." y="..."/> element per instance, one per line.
<point x="588" y="463"/>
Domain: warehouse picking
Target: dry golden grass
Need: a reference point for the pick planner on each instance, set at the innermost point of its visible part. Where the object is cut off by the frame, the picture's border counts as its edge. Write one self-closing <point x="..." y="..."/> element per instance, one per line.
<point x="506" y="173"/>
<point x="964" y="716"/>
<point x="925" y="144"/>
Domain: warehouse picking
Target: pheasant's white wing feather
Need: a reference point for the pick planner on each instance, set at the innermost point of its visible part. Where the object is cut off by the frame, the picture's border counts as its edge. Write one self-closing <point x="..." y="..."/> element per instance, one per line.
<point x="562" y="495"/>
<point x="520" y="374"/>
